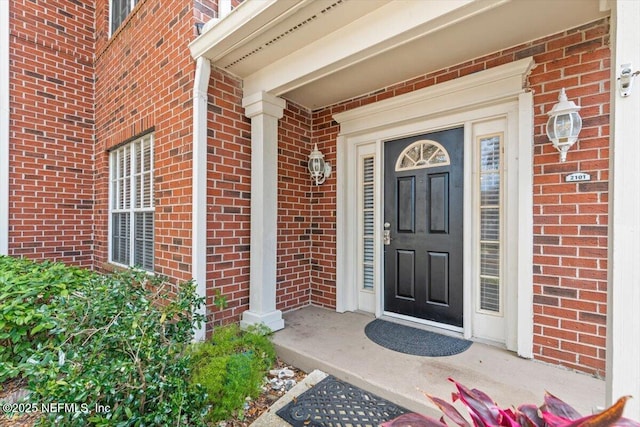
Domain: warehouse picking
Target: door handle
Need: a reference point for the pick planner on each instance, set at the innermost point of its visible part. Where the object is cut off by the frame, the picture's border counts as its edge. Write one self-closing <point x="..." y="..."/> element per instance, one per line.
<point x="386" y="234"/>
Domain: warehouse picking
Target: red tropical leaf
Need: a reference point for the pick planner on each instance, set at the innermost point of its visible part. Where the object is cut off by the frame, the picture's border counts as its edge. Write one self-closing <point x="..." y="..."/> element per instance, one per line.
<point x="557" y="407"/>
<point x="483" y="410"/>
<point x="449" y="410"/>
<point x="529" y="416"/>
<point x="508" y="418"/>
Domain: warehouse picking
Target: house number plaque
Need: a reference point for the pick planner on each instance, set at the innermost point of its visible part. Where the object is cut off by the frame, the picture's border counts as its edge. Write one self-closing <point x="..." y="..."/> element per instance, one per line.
<point x="577" y="177"/>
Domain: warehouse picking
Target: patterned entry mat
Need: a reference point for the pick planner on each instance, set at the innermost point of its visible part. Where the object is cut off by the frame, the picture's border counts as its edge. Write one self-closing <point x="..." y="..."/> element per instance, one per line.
<point x="335" y="403"/>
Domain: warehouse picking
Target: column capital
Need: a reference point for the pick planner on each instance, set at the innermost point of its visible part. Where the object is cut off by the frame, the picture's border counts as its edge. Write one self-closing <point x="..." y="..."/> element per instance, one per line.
<point x="263" y="103"/>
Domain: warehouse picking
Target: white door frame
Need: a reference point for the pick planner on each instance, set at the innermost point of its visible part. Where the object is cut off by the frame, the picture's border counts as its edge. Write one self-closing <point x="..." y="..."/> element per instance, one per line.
<point x="497" y="92"/>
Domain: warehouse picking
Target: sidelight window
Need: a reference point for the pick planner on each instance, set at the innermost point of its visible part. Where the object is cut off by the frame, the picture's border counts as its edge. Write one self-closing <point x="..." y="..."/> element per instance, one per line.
<point x="367" y="232"/>
<point x="490" y="222"/>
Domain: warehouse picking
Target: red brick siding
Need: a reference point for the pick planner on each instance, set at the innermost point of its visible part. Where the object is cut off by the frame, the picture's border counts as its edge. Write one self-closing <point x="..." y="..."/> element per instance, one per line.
<point x="51" y="131"/>
<point x="144" y="80"/>
<point x="323" y="247"/>
<point x="229" y="201"/>
<point x="570" y="220"/>
<point x="204" y="10"/>
<point x="228" y="197"/>
<point x="295" y="207"/>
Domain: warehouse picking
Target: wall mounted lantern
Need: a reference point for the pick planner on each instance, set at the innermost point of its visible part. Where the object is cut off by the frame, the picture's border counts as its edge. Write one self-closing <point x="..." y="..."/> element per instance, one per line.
<point x="564" y="124"/>
<point x="319" y="169"/>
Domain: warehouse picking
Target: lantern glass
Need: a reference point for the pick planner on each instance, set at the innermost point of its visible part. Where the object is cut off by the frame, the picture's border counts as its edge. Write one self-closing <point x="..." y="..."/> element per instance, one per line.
<point x="551" y="128"/>
<point x="316" y="165"/>
<point x="564" y="127"/>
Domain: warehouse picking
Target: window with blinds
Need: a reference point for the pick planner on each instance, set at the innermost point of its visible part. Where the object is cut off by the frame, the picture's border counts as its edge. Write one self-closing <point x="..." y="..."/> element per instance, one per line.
<point x="119" y="10"/>
<point x="132" y="204"/>
<point x="367" y="231"/>
<point x="490" y="222"/>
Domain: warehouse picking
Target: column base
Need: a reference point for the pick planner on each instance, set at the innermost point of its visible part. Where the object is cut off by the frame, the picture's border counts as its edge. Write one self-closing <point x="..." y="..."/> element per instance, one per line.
<point x="273" y="320"/>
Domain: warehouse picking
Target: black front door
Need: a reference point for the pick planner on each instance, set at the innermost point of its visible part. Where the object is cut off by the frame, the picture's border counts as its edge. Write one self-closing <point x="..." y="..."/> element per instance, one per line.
<point x="423" y="193"/>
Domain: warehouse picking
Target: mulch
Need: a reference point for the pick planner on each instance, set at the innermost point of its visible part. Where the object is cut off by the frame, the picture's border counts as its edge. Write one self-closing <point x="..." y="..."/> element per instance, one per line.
<point x="12" y="388"/>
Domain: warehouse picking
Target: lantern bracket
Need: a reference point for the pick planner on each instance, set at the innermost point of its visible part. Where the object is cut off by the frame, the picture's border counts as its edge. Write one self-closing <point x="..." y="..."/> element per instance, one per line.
<point x="625" y="81"/>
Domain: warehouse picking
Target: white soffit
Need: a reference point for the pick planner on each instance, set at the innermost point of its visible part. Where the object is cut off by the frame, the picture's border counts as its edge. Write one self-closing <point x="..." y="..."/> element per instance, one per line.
<point x="319" y="52"/>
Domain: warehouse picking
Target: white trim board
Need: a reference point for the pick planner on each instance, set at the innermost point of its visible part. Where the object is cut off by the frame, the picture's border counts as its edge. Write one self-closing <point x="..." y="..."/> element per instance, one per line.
<point x="4" y="127"/>
<point x="623" y="322"/>
<point x="492" y="93"/>
<point x="481" y="88"/>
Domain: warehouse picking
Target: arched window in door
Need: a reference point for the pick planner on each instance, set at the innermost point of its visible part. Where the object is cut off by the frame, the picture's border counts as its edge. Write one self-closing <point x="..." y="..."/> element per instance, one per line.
<point x="422" y="154"/>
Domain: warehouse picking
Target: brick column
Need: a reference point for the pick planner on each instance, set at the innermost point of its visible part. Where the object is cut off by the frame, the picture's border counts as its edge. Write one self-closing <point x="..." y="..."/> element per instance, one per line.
<point x="264" y="110"/>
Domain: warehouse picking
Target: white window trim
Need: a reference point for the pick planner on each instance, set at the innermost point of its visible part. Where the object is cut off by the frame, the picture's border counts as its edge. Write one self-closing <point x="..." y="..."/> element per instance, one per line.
<point x="488" y="93"/>
<point x="132" y="210"/>
<point x="132" y="4"/>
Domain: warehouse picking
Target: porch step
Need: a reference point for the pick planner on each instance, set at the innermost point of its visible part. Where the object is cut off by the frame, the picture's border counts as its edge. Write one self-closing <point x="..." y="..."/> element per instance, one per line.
<point x="317" y="338"/>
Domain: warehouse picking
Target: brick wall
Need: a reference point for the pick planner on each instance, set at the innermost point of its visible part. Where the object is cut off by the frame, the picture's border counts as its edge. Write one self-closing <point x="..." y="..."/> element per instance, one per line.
<point x="570" y="219"/>
<point x="229" y="201"/>
<point x="144" y="80"/>
<point x="323" y="220"/>
<point x="295" y="209"/>
<point x="228" y="197"/>
<point x="51" y="130"/>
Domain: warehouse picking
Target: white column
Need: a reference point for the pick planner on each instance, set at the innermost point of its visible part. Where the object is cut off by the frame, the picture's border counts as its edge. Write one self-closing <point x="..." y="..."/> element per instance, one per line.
<point x="264" y="110"/>
<point x="623" y="319"/>
<point x="4" y="127"/>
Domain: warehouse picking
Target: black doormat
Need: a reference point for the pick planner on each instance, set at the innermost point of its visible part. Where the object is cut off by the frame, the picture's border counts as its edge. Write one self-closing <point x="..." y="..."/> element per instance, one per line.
<point x="335" y="403"/>
<point x="418" y="342"/>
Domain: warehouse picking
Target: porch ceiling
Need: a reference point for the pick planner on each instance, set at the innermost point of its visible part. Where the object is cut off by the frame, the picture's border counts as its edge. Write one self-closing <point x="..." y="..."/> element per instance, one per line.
<point x="319" y="52"/>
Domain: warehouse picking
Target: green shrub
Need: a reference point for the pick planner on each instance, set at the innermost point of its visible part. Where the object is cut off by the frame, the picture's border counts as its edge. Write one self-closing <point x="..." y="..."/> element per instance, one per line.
<point x="231" y="366"/>
<point x="124" y="340"/>
<point x="26" y="289"/>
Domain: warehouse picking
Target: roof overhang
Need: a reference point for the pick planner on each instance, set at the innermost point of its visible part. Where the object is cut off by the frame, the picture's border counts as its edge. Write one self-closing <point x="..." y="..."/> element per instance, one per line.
<point x="319" y="52"/>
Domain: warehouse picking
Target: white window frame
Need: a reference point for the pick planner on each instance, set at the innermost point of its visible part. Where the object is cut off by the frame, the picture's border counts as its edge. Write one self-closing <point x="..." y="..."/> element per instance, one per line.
<point x="132" y="4"/>
<point x="132" y="210"/>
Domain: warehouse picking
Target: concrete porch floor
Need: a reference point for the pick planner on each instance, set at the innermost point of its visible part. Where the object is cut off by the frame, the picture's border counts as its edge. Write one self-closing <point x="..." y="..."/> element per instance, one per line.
<point x="317" y="338"/>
